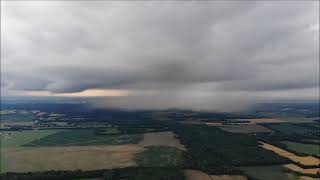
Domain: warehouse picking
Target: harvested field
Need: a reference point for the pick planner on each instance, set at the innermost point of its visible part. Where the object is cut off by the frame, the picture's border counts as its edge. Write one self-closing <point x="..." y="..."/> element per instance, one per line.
<point x="305" y="160"/>
<point x="296" y="168"/>
<point x="196" y="175"/>
<point x="161" y="138"/>
<point x="245" y="128"/>
<point x="228" y="177"/>
<point x="69" y="158"/>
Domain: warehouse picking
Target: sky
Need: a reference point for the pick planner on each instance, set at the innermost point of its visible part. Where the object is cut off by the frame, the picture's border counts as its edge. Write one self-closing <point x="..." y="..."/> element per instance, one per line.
<point x="207" y="55"/>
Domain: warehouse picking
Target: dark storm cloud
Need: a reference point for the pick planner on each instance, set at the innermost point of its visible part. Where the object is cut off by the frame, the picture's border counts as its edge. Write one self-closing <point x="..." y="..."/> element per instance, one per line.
<point x="204" y="55"/>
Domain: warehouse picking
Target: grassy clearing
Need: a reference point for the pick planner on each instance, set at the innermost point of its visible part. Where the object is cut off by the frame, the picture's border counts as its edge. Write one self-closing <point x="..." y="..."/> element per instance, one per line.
<point x="18" y="139"/>
<point x="161" y="156"/>
<point x="268" y="173"/>
<point x="310" y="149"/>
<point x="84" y="137"/>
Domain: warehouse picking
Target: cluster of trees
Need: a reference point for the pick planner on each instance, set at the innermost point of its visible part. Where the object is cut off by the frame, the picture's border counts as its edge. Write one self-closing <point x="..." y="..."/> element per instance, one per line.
<point x="131" y="173"/>
<point x="216" y="151"/>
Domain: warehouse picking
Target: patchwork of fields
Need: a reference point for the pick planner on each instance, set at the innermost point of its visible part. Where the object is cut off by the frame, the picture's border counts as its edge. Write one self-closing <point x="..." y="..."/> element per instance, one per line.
<point x="305" y="160"/>
<point x="43" y="150"/>
<point x="222" y="151"/>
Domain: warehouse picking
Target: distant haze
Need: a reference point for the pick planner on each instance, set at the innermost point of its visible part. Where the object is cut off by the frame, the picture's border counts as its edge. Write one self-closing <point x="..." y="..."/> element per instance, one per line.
<point x="207" y="55"/>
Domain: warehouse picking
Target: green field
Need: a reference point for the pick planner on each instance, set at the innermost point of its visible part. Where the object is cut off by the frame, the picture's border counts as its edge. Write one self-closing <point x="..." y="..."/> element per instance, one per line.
<point x="84" y="137"/>
<point x="16" y="139"/>
<point x="108" y="131"/>
<point x="310" y="149"/>
<point x="288" y="128"/>
<point x="161" y="156"/>
<point x="268" y="173"/>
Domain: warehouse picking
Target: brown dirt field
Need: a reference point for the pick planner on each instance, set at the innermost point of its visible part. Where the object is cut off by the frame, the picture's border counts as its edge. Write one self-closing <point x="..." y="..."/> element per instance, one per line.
<point x="196" y="175"/>
<point x="228" y="177"/>
<point x="161" y="138"/>
<point x="296" y="168"/>
<point x="245" y="128"/>
<point x="305" y="160"/>
<point x="69" y="158"/>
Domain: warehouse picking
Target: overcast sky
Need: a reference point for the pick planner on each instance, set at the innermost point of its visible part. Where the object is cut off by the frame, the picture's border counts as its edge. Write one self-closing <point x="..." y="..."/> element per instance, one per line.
<point x="208" y="55"/>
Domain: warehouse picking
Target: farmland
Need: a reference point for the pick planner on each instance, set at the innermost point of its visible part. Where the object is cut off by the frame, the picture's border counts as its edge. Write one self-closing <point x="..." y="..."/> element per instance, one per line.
<point x="116" y="145"/>
<point x="196" y="175"/>
<point x="298" y="169"/>
<point x="27" y="150"/>
<point x="162" y="156"/>
<point x="69" y="158"/>
<point x="16" y="117"/>
<point x="129" y="173"/>
<point x="83" y="137"/>
<point x="17" y="139"/>
<point x="310" y="149"/>
<point x="165" y="138"/>
<point x="305" y="160"/>
<point x="228" y="177"/>
<point x="294" y="129"/>
<point x="268" y="173"/>
<point x="245" y="128"/>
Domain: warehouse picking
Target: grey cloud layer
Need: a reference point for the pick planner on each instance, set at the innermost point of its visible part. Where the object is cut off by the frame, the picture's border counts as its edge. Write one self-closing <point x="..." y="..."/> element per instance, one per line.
<point x="169" y="54"/>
